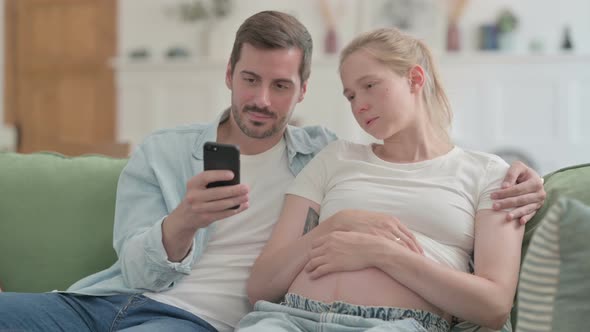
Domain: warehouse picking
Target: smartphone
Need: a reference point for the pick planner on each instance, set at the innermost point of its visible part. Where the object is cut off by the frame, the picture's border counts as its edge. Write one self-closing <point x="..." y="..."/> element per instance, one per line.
<point x="217" y="156"/>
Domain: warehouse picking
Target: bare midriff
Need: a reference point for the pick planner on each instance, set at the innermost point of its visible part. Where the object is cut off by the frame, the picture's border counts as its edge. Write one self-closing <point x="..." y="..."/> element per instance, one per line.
<point x="368" y="287"/>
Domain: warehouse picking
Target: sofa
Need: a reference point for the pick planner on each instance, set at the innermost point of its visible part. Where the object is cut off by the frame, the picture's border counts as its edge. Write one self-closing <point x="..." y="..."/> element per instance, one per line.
<point x="56" y="217"/>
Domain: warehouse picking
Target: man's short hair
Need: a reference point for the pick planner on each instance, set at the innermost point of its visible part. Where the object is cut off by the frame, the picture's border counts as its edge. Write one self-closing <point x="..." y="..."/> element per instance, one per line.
<point x="274" y="30"/>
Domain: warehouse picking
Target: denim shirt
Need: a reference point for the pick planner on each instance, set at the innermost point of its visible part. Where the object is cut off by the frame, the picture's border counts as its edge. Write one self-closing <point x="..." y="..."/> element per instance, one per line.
<point x="151" y="185"/>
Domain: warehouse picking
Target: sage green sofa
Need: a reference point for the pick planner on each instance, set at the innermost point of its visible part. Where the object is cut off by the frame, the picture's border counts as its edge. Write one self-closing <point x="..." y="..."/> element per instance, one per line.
<point x="56" y="216"/>
<point x="56" y="219"/>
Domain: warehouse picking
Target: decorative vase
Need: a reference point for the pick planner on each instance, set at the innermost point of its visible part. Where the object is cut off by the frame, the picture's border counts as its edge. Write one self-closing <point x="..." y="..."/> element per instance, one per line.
<point x="506" y="41"/>
<point x="331" y="41"/>
<point x="453" y="37"/>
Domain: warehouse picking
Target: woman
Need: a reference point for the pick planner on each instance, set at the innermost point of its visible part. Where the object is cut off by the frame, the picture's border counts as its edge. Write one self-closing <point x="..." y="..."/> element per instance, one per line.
<point x="404" y="266"/>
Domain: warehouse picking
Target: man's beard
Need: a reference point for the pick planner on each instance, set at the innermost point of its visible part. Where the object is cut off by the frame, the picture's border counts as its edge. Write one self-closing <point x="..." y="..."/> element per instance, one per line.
<point x="276" y="127"/>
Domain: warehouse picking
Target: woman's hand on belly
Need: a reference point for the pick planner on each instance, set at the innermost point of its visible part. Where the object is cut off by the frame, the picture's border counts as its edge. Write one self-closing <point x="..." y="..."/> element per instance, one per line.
<point x="345" y="252"/>
<point x="374" y="223"/>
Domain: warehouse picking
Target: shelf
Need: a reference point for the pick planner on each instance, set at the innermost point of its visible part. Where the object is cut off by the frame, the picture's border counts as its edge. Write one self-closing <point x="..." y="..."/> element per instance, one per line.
<point x="204" y="63"/>
<point x="509" y="58"/>
<point x="180" y="64"/>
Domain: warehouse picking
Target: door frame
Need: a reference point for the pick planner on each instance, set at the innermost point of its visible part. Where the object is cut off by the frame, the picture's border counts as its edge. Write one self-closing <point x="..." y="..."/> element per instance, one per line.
<point x="10" y="62"/>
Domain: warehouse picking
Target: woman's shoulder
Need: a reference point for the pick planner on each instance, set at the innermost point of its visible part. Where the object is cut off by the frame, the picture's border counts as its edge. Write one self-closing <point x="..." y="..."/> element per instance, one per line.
<point x="344" y="146"/>
<point x="484" y="164"/>
<point x="482" y="158"/>
<point x="345" y="150"/>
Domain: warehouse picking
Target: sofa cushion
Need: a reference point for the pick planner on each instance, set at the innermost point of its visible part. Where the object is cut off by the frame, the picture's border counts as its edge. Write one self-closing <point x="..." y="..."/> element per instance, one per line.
<point x="56" y="218"/>
<point x="554" y="289"/>
<point x="572" y="182"/>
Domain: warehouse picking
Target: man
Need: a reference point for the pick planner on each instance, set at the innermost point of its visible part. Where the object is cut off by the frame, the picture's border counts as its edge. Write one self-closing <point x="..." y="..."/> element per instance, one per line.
<point x="184" y="256"/>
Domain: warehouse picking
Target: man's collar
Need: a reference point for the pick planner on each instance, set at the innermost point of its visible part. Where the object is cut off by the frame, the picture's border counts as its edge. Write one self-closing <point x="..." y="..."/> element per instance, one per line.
<point x="209" y="134"/>
<point x="297" y="141"/>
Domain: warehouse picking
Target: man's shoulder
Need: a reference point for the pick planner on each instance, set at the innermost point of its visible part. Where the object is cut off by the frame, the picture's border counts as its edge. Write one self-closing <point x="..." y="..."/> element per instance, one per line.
<point x="178" y="131"/>
<point x="179" y="135"/>
<point x="311" y="138"/>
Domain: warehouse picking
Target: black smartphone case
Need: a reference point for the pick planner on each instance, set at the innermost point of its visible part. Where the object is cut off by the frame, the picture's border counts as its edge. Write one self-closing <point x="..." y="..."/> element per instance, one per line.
<point x="217" y="156"/>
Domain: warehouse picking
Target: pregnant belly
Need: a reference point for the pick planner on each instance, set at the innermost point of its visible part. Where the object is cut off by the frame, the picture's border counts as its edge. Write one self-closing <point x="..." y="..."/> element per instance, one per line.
<point x="368" y="287"/>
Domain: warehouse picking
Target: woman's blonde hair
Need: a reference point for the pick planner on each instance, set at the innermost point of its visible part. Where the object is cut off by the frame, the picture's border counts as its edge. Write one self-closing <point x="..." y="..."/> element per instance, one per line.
<point x="401" y="52"/>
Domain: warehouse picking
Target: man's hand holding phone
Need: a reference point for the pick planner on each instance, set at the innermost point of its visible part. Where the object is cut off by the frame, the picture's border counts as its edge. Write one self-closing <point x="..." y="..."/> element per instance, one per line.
<point x="203" y="205"/>
<point x="200" y="207"/>
<point x="214" y="194"/>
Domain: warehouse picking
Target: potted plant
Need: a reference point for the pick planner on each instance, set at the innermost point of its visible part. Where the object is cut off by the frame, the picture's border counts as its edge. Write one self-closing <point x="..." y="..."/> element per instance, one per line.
<point x="506" y="25"/>
<point x="202" y="13"/>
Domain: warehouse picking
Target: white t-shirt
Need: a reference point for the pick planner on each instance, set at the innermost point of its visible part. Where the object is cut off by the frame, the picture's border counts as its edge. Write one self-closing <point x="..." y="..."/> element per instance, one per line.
<point x="436" y="199"/>
<point x="216" y="288"/>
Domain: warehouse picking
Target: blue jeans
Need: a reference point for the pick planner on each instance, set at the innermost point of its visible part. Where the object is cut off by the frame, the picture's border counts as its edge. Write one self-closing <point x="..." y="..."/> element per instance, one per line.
<point x="299" y="314"/>
<point x="69" y="312"/>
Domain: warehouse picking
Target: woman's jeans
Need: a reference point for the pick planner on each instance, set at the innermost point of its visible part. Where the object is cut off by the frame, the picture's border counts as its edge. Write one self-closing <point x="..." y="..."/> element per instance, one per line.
<point x="299" y="314"/>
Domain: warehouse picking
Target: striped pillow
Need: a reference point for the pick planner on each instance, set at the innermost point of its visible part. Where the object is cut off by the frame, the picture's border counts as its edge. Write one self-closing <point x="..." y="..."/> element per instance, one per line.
<point x="539" y="275"/>
<point x="554" y="287"/>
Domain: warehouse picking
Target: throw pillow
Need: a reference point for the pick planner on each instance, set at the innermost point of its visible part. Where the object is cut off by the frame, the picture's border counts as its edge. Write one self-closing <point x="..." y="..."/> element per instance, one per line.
<point x="554" y="290"/>
<point x="572" y="182"/>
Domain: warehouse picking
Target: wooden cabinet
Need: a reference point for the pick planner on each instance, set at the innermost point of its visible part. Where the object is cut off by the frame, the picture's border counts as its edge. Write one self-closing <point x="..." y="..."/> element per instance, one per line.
<point x="59" y="87"/>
